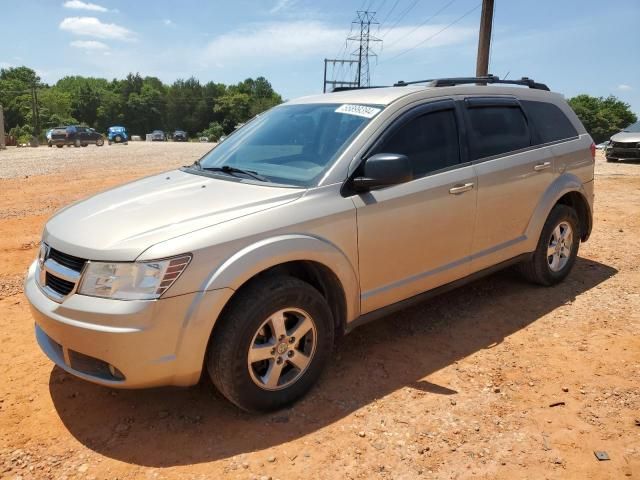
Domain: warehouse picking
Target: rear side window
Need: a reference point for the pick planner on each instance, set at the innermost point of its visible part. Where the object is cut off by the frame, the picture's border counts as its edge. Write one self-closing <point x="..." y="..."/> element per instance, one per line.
<point x="430" y="141"/>
<point x="494" y="130"/>
<point x="549" y="122"/>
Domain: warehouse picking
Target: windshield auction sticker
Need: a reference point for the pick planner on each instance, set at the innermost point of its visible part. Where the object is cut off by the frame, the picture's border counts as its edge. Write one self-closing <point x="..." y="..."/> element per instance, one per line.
<point x="358" y="110"/>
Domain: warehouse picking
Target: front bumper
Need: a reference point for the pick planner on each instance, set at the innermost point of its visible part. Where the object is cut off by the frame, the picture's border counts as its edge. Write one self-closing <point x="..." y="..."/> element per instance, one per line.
<point x="623" y="153"/>
<point x="127" y="344"/>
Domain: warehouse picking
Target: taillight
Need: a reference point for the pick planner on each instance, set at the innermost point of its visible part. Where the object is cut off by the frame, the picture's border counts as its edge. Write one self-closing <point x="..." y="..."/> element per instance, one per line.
<point x="593" y="150"/>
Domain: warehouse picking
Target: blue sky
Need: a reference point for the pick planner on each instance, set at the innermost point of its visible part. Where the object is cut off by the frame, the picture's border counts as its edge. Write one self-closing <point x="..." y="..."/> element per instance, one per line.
<point x="587" y="46"/>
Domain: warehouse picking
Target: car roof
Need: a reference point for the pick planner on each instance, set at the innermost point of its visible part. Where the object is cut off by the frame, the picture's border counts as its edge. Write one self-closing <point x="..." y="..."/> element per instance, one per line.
<point x="388" y="95"/>
<point x="371" y="96"/>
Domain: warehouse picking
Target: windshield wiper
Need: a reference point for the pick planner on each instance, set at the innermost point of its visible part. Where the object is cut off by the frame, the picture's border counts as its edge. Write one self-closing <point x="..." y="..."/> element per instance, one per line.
<point x="231" y="170"/>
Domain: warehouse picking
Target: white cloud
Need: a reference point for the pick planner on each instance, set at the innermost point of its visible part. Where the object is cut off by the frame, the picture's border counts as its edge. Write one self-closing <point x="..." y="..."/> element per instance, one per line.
<point x="273" y="40"/>
<point x="168" y="22"/>
<point x="299" y="39"/>
<point x="624" y="87"/>
<point x="89" y="45"/>
<point x="282" y="5"/>
<point x="92" y="27"/>
<point x="80" y="5"/>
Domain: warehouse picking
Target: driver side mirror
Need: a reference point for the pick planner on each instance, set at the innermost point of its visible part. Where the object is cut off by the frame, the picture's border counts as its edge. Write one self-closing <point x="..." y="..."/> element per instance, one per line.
<point x="383" y="170"/>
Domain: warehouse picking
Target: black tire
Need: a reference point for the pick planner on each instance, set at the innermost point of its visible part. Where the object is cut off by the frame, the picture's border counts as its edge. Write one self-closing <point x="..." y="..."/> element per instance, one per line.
<point x="117" y="139"/>
<point x="227" y="359"/>
<point x="77" y="143"/>
<point x="59" y="146"/>
<point x="85" y="145"/>
<point x="609" y="159"/>
<point x="538" y="270"/>
<point x="100" y="142"/>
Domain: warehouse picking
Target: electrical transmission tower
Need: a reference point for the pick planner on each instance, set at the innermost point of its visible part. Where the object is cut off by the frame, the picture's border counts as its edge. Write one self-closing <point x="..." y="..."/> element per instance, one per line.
<point x="364" y="42"/>
<point x="363" y="52"/>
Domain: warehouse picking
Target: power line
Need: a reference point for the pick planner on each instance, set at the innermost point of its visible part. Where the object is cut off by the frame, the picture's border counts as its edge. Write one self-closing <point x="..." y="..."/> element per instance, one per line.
<point x="469" y="12"/>
<point x="390" y="12"/>
<point x="423" y="23"/>
<point x="402" y="15"/>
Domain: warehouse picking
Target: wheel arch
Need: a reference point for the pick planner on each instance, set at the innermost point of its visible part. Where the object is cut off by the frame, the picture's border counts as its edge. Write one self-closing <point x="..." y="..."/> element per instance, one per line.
<point x="579" y="203"/>
<point x="567" y="189"/>
<point x="312" y="259"/>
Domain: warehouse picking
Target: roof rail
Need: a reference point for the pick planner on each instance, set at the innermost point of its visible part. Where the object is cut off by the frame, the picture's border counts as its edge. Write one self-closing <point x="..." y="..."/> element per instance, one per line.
<point x="449" y="82"/>
<point x="346" y="89"/>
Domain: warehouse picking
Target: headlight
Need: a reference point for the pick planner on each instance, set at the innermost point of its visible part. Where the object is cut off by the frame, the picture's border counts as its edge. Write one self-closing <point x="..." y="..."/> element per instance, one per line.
<point x="132" y="280"/>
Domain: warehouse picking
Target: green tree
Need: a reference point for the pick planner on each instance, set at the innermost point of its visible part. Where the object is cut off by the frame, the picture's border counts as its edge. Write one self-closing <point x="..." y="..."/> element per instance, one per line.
<point x="602" y="117"/>
<point x="16" y="84"/>
<point x="140" y="103"/>
<point x="213" y="132"/>
<point x="235" y="108"/>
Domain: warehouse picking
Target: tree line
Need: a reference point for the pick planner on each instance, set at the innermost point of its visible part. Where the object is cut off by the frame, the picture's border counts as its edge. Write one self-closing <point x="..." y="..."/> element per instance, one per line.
<point x="141" y="104"/>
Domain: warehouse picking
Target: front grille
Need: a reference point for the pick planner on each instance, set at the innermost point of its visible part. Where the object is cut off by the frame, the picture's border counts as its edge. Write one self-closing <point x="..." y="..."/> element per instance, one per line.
<point x="66" y="260"/>
<point x="58" y="285"/>
<point x="624" y="144"/>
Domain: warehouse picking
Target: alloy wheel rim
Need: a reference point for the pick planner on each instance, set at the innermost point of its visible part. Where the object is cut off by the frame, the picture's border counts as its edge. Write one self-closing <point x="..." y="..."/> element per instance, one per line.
<point x="559" y="248"/>
<point x="282" y="349"/>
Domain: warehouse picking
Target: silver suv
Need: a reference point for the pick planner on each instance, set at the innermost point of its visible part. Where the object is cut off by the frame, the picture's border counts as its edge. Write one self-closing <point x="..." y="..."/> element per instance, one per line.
<point x="315" y="217"/>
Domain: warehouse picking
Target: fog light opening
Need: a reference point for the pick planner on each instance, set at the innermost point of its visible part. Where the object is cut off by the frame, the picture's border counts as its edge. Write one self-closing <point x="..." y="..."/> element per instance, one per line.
<point x="115" y="373"/>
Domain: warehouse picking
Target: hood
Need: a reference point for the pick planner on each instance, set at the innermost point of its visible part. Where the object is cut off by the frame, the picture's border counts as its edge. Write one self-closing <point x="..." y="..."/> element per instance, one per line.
<point x="121" y="223"/>
<point x="626" y="137"/>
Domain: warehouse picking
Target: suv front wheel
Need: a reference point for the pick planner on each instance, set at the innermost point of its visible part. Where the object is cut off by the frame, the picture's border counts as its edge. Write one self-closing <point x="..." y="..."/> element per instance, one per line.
<point x="557" y="248"/>
<point x="273" y="342"/>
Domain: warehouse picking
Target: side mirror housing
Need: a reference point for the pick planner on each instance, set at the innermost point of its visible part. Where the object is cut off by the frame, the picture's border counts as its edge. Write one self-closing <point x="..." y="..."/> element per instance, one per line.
<point x="383" y="170"/>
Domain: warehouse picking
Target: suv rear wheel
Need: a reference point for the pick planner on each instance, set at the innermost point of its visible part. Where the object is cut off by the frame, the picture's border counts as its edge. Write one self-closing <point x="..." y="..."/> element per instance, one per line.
<point x="273" y="342"/>
<point x="557" y="248"/>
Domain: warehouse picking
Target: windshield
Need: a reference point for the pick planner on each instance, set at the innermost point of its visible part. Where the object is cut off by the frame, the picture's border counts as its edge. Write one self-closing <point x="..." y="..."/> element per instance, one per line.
<point x="634" y="127"/>
<point x="291" y="144"/>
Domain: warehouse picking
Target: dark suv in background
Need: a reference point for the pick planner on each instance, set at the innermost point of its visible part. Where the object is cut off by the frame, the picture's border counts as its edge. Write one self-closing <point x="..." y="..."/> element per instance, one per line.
<point x="75" y="135"/>
<point x="179" y="136"/>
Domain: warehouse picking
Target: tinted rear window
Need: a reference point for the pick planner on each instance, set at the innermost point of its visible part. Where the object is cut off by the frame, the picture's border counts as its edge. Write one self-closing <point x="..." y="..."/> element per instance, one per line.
<point x="494" y="130"/>
<point x="550" y="123"/>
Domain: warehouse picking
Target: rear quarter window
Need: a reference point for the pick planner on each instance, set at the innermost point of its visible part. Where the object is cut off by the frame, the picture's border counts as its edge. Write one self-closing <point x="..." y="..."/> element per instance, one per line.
<point x="550" y="124"/>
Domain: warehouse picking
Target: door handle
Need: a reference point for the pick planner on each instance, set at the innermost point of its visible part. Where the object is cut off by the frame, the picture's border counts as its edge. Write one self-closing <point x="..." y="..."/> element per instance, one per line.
<point x="455" y="190"/>
<point x="542" y="166"/>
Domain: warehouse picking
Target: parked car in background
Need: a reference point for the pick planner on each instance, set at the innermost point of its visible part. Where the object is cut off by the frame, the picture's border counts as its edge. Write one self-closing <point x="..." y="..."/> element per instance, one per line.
<point x="158" y="136"/>
<point x="75" y="135"/>
<point x="203" y="139"/>
<point x="625" y="145"/>
<point x="48" y="135"/>
<point x="117" y="135"/>
<point x="321" y="214"/>
<point x="180" y="136"/>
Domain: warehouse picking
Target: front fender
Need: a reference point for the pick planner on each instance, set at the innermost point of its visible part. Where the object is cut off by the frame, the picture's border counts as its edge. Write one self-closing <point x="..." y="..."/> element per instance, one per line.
<point x="267" y="253"/>
<point x="565" y="183"/>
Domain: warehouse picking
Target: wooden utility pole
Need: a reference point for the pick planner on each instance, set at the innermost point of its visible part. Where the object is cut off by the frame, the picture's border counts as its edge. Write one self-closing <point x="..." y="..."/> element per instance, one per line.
<point x="2" y="142"/>
<point x="484" y="39"/>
